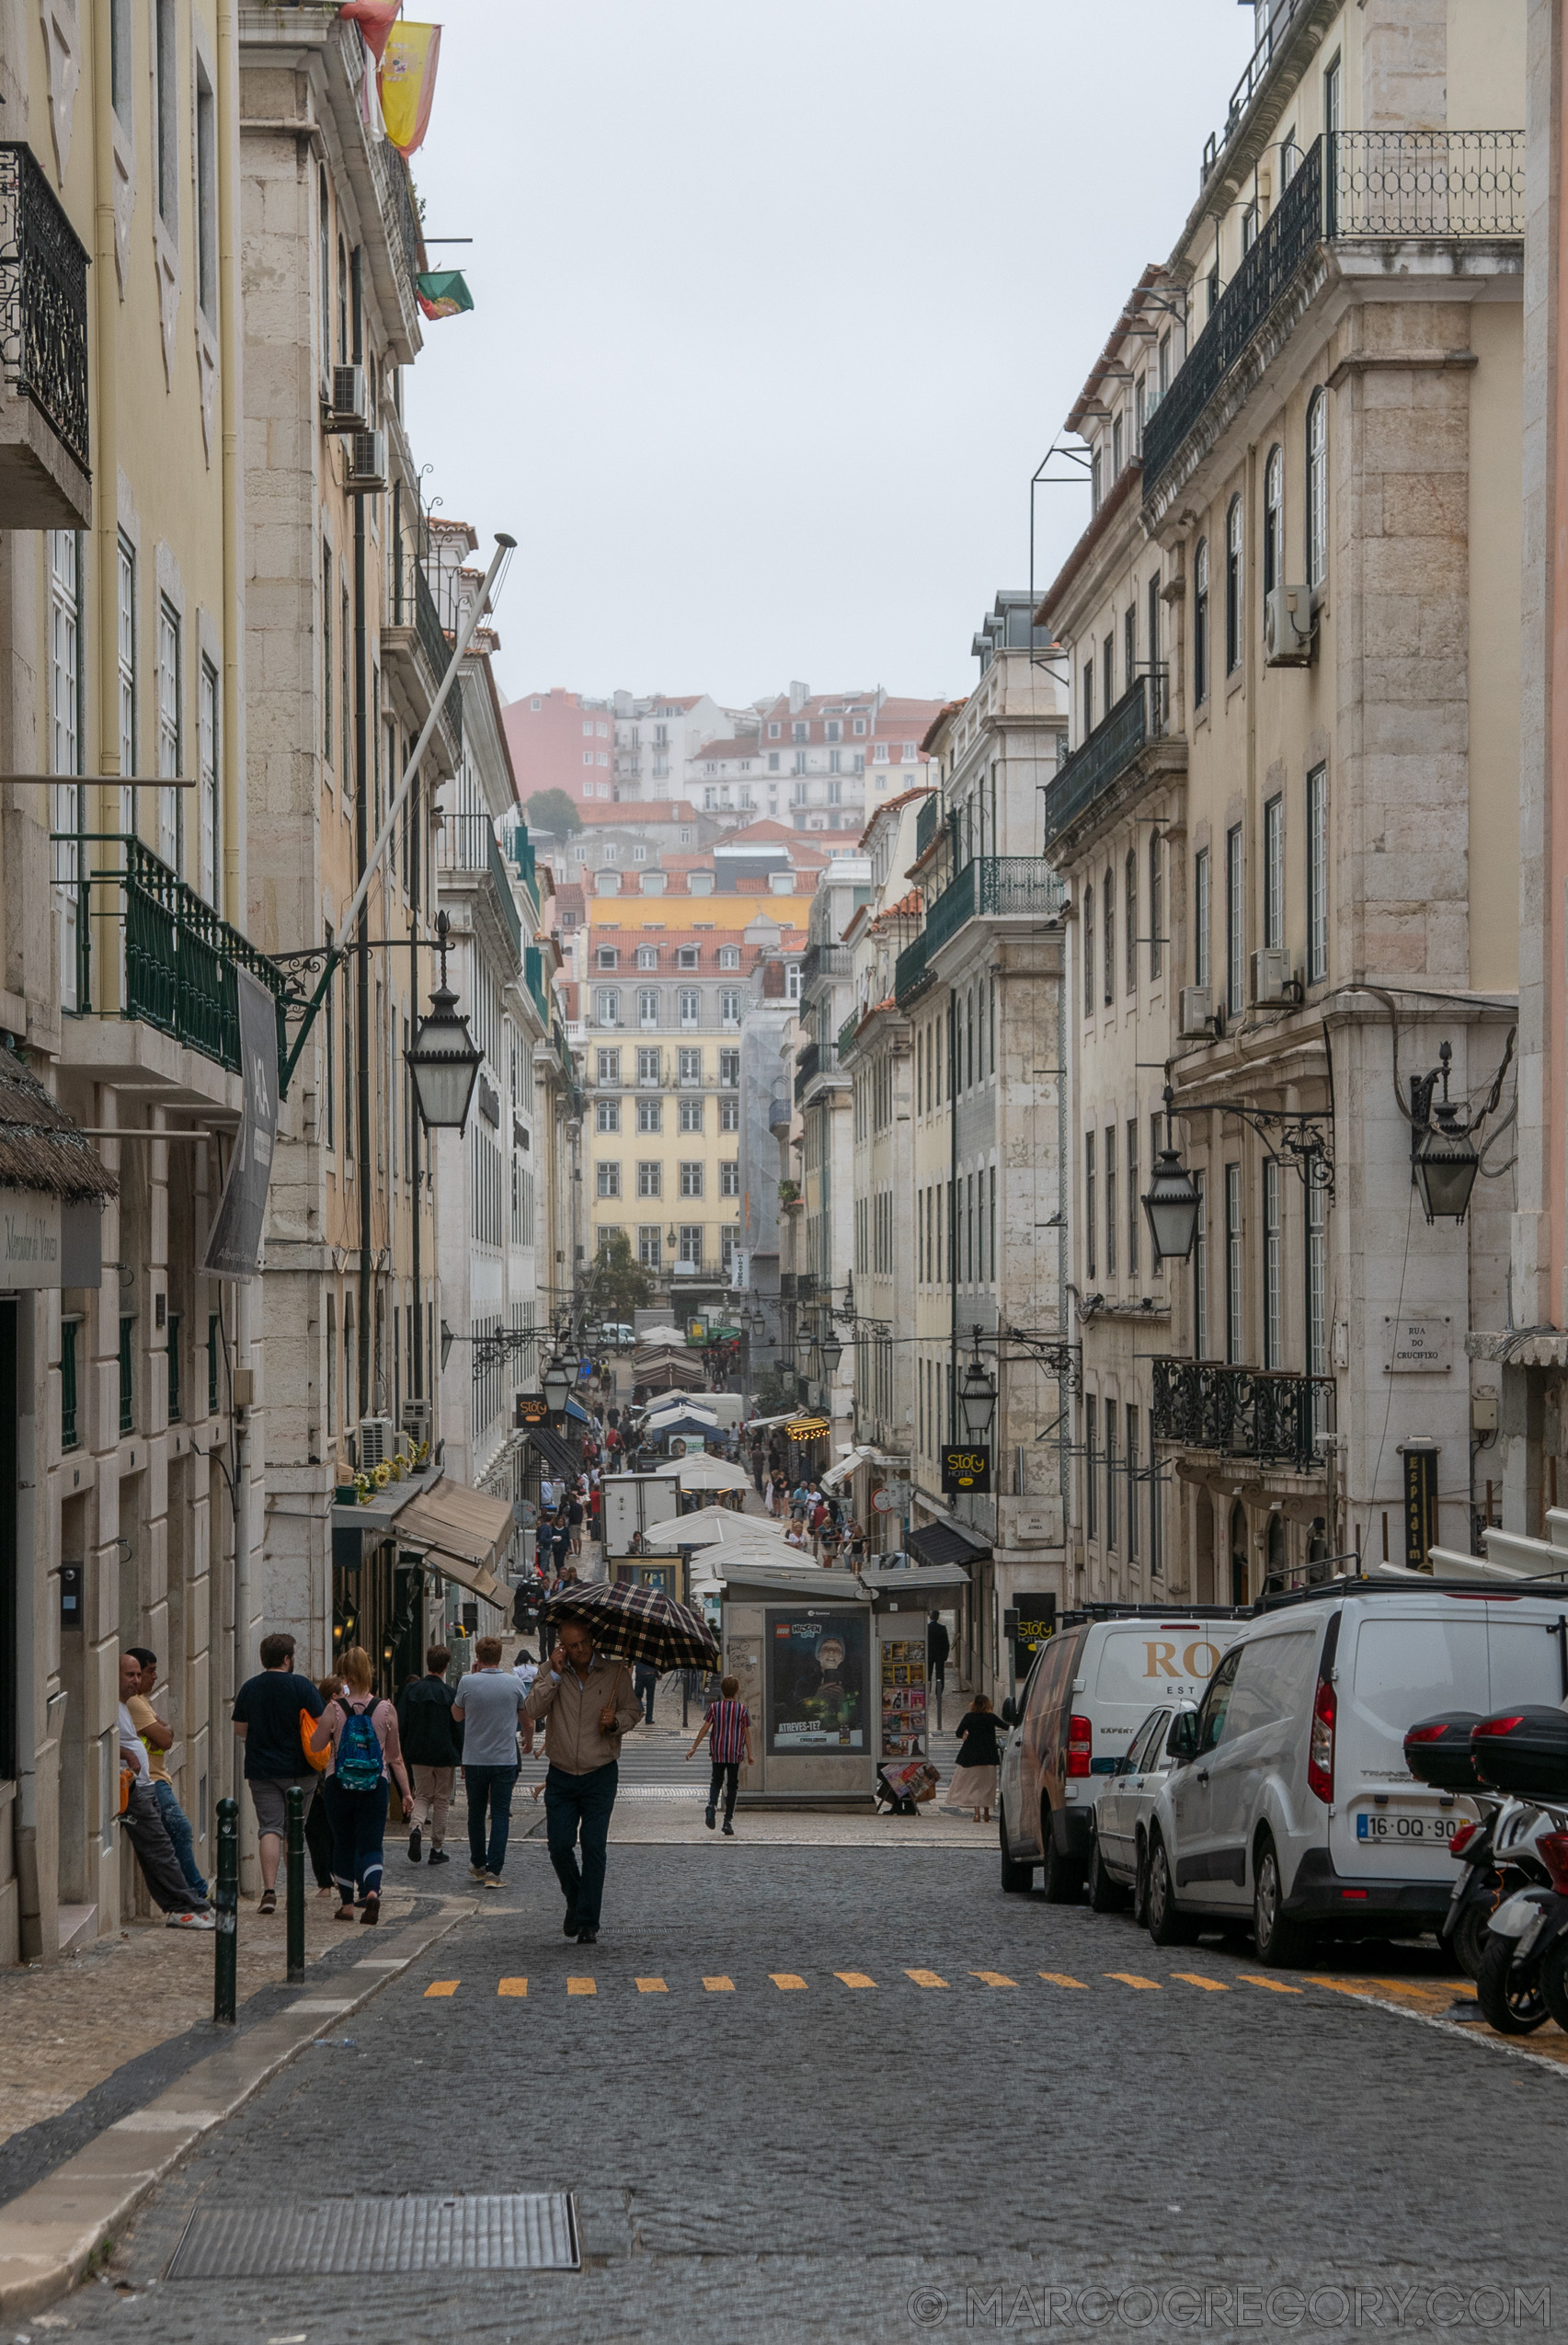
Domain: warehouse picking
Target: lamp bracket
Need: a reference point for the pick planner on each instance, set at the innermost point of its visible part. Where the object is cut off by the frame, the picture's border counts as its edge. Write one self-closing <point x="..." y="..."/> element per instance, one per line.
<point x="1303" y="1138"/>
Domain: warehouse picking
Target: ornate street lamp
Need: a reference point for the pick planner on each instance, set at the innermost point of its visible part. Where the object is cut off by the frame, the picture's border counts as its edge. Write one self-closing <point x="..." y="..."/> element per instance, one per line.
<point x="443" y="1060"/>
<point x="977" y="1400"/>
<point x="1444" y="1160"/>
<point x="832" y="1352"/>
<point x="1171" y="1202"/>
<point x="556" y="1385"/>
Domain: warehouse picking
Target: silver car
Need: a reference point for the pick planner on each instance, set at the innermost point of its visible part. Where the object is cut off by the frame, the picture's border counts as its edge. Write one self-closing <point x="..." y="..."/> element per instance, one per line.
<point x="1118" y="1857"/>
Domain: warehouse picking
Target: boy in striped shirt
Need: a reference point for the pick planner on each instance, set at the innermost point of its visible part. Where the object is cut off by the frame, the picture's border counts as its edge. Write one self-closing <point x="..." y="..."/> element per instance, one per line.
<point x="726" y="1730"/>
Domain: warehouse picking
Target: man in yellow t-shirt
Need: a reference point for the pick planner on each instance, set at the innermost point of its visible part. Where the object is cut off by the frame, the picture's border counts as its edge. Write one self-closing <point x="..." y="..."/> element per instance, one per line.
<point x="157" y="1737"/>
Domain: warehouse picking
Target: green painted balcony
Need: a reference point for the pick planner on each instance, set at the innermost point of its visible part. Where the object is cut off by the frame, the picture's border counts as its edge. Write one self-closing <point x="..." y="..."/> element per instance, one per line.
<point x="993" y="887"/>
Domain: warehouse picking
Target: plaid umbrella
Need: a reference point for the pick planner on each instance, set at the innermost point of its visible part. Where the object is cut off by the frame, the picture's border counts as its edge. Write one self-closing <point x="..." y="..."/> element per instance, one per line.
<point x="635" y="1623"/>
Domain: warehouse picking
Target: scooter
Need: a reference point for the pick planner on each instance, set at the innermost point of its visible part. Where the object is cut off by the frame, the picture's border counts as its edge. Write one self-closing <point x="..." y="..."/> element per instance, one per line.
<point x="1498" y="1854"/>
<point x="1523" y="1979"/>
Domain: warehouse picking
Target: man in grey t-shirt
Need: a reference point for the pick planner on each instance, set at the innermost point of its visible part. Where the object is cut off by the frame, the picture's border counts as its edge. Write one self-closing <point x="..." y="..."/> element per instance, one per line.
<point x="489" y="1707"/>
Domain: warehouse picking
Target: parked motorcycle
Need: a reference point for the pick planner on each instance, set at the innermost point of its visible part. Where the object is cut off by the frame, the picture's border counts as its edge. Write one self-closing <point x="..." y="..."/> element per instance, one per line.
<point x="1524" y="1752"/>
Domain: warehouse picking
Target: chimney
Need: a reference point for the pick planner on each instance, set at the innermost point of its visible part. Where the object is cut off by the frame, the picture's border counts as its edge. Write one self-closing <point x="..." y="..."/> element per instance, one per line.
<point x="700" y="882"/>
<point x="607" y="883"/>
<point x="798" y="695"/>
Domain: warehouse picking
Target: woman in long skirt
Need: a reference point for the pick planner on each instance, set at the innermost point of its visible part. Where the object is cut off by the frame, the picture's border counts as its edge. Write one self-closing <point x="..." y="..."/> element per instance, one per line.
<point x="974" y="1777"/>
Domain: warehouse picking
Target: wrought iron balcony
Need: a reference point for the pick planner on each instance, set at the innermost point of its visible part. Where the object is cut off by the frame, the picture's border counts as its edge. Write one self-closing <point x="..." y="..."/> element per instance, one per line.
<point x="1405" y="185"/>
<point x="467" y="842"/>
<point x="926" y="823"/>
<point x="847" y="1032"/>
<point x="911" y="972"/>
<point x="151" y="949"/>
<point x="533" y="977"/>
<point x="817" y="1059"/>
<point x="1123" y="733"/>
<point x="1243" y="1412"/>
<point x="43" y="301"/>
<point x="824" y="960"/>
<point x="995" y="886"/>
<point x="437" y="651"/>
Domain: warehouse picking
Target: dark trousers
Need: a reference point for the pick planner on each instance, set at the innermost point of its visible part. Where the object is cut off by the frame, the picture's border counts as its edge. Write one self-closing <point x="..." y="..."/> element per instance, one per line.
<point x="156" y="1855"/>
<point x="725" y="1778"/>
<point x="319" y="1842"/>
<point x="575" y="1803"/>
<point x="488" y="1786"/>
<point x="358" y="1827"/>
<point x="645" y="1685"/>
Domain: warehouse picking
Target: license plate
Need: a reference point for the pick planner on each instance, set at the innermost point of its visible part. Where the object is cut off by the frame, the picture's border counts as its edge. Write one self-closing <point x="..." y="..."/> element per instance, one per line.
<point x="1388" y="1824"/>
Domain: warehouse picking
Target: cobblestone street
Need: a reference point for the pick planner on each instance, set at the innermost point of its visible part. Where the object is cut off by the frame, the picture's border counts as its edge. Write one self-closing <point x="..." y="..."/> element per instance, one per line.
<point x="836" y="2097"/>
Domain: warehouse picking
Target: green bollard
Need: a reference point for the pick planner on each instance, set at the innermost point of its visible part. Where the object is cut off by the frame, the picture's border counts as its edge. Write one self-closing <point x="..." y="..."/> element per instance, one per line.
<point x="294" y="1807"/>
<point x="226" y="1946"/>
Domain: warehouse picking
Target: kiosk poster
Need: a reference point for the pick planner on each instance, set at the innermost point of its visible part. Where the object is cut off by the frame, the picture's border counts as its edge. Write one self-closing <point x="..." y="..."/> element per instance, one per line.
<point x="903" y="1698"/>
<point x="817" y="1682"/>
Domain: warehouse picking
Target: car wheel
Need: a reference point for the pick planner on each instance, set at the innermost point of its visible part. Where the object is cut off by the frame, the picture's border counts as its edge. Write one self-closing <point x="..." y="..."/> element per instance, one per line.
<point x="1512" y="2005"/>
<point x="1015" y="1877"/>
<point x="1140" y="1888"/>
<point x="1059" y="1878"/>
<point x="1167" y="1925"/>
<point x="1106" y="1894"/>
<point x="1277" y="1940"/>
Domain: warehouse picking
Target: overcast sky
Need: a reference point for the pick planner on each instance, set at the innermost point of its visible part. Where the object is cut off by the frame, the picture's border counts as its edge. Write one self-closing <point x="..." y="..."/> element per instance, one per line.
<point x="777" y="307"/>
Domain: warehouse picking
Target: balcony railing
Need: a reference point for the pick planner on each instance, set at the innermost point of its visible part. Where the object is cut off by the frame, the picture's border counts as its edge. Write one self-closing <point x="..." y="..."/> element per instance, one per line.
<point x="779" y="1113"/>
<point x="1128" y="727"/>
<point x="926" y="823"/>
<point x="437" y="651"/>
<point x="824" y="960"/>
<point x="817" y="1059"/>
<point x="1441" y="184"/>
<point x="847" y="1032"/>
<point x="43" y="298"/>
<point x="467" y="842"/>
<point x="533" y="977"/>
<point x="911" y="971"/>
<point x="997" y="884"/>
<point x="175" y="958"/>
<point x="1243" y="1412"/>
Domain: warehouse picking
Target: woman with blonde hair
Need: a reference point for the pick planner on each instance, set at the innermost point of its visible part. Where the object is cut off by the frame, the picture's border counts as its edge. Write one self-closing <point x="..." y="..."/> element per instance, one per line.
<point x="359" y="1732"/>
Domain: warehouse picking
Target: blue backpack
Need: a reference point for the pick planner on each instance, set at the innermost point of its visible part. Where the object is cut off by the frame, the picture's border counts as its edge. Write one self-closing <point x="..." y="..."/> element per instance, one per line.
<point x="358" y="1751"/>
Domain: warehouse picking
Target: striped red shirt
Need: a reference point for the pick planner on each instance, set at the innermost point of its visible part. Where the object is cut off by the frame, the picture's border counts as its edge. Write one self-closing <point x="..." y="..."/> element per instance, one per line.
<point x="727" y="1722"/>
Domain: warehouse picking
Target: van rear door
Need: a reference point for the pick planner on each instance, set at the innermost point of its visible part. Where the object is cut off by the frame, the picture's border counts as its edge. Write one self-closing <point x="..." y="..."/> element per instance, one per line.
<point x="1141" y="1663"/>
<point x="1410" y="1658"/>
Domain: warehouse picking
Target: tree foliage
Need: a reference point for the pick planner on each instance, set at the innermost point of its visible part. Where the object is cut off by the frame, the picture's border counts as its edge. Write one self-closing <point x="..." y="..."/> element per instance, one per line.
<point x="554" y="811"/>
<point x="617" y="1284"/>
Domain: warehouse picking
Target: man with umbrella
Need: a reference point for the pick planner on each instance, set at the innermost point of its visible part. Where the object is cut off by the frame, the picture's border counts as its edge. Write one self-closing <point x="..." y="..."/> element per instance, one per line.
<point x="585" y="1692"/>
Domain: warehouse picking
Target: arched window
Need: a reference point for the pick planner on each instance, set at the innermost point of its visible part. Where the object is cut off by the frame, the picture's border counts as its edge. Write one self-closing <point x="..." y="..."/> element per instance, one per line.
<point x="1200" y="624"/>
<point x="1234" y="586"/>
<point x="1108" y="907"/>
<point x="1317" y="488"/>
<point x="1273" y="519"/>
<point x="1129" y="913"/>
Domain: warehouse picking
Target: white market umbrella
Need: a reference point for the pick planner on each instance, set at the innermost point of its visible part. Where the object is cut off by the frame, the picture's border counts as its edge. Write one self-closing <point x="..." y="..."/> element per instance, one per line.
<point x="711" y="1473"/>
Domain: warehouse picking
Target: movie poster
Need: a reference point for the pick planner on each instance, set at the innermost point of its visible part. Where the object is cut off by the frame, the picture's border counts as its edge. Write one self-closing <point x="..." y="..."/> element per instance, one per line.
<point x="816" y="1681"/>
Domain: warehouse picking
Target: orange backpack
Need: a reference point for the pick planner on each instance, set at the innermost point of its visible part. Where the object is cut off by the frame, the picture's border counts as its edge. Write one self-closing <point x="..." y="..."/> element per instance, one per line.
<point x="317" y="1759"/>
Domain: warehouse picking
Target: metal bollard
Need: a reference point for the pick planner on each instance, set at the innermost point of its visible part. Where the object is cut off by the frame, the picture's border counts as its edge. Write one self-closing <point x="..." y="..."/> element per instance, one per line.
<point x="225" y="1905"/>
<point x="294" y="1808"/>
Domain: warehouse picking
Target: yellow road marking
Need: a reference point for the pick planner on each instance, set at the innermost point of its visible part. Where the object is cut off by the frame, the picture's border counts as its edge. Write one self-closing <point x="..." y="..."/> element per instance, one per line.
<point x="1061" y="1978"/>
<point x="854" y="1978"/>
<point x="786" y="1979"/>
<point x="1196" y="1978"/>
<point x="719" y="1985"/>
<point x="652" y="1986"/>
<point x="512" y="1986"/>
<point x="583" y="1986"/>
<point x="925" y="1978"/>
<point x="994" y="1978"/>
<point x="440" y="1986"/>
<point x="1275" y="1987"/>
<point x="1131" y="1978"/>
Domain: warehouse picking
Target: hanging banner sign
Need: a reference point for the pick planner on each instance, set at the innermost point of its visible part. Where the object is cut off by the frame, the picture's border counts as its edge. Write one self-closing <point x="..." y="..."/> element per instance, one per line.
<point x="234" y="1242"/>
<point x="965" y="1469"/>
<point x="1420" y="1508"/>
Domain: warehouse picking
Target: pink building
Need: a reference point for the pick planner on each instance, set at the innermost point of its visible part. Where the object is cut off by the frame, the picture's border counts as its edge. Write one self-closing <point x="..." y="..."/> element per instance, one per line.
<point x="562" y="740"/>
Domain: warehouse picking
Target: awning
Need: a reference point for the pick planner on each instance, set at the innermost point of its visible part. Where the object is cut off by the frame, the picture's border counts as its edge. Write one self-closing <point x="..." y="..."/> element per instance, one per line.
<point x="839" y="1473"/>
<point x="916" y="1581"/>
<point x="553" y="1450"/>
<point x="573" y="1409"/>
<point x="808" y="1428"/>
<point x="939" y="1543"/>
<point x="711" y="1473"/>
<point x="464" y="1532"/>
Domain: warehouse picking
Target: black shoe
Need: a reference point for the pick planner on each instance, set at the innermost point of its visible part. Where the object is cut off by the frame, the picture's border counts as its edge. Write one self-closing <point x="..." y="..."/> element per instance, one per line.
<point x="729" y="1829"/>
<point x="416" y="1845"/>
<point x="440" y="1857"/>
<point x="588" y="1938"/>
<point x="708" y="1818"/>
<point x="570" y="1925"/>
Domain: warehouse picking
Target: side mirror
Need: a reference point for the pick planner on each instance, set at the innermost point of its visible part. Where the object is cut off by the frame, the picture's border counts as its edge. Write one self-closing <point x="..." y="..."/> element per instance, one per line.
<point x="1183" y="1746"/>
<point x="1009" y="1712"/>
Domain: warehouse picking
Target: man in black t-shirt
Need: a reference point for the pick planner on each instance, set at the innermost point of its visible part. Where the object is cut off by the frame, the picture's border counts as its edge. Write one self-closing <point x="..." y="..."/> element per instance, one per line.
<point x="267" y="1720"/>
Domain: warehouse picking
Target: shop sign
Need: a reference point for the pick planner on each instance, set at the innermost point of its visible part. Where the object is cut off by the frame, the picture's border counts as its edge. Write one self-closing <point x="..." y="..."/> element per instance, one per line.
<point x="233" y="1244"/>
<point x="1036" y="1618"/>
<point x="964" y="1469"/>
<point x="29" y="1239"/>
<point x="1420" y="1507"/>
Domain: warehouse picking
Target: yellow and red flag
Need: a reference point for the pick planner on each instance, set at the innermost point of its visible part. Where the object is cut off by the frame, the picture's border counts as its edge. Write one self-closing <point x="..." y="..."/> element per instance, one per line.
<point x="409" y="82"/>
<point x="375" y="19"/>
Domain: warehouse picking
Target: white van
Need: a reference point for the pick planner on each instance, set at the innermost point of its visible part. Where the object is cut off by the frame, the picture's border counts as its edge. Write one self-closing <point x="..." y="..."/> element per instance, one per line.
<point x="1291" y="1807"/>
<point x="1092" y="1686"/>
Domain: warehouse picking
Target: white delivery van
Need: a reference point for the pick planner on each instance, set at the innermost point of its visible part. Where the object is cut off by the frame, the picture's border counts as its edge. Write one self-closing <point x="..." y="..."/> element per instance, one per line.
<point x="635" y="1503"/>
<point x="1291" y="1807"/>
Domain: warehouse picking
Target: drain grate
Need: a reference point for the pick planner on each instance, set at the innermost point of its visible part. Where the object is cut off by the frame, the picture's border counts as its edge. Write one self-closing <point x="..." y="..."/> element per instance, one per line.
<point x="534" y="2231"/>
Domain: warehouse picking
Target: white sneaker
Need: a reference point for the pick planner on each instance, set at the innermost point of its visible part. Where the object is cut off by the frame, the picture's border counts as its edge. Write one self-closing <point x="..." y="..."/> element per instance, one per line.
<point x="191" y="1921"/>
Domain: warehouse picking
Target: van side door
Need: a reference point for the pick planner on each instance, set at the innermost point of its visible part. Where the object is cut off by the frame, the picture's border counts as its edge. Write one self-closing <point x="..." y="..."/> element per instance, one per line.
<point x="1190" y="1785"/>
<point x="1268" y="1714"/>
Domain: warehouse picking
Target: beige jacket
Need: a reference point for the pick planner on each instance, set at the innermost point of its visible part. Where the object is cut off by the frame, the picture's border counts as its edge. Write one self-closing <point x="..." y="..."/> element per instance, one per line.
<point x="578" y="1743"/>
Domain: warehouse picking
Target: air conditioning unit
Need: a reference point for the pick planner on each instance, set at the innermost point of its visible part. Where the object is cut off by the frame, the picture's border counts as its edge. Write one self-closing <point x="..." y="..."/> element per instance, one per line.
<point x="367" y="464"/>
<point x="349" y="408"/>
<point x="1195" y="1012"/>
<point x="1273" y="979"/>
<point x="374" y="1442"/>
<point x="416" y="1420"/>
<point x="1289" y="627"/>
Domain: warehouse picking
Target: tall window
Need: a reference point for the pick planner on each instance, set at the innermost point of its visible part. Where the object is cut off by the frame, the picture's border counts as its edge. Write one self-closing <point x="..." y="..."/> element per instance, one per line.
<point x="207" y="780"/>
<point x="1273" y="519"/>
<point x="1317" y="488"/>
<point x="1129" y="913"/>
<point x="206" y="196"/>
<point x="1088" y="698"/>
<point x="1200" y="1269"/>
<point x="1317" y="1289"/>
<point x="1202" y="910"/>
<point x="119" y="58"/>
<point x="1129" y="1173"/>
<point x="1110" y="1200"/>
<point x="346" y="776"/>
<point x="1158" y="694"/>
<point x="166" y="125"/>
<point x="1234" y="1341"/>
<point x="1156" y="902"/>
<point x="607" y="1005"/>
<point x="1108" y="910"/>
<point x="1133" y="1510"/>
<point x="1129" y="645"/>
<point x="1234" y="586"/>
<point x="690" y="1008"/>
<point x="650" y="1245"/>
<point x="1200" y="624"/>
<point x="1317" y="875"/>
<point x="647" y="1006"/>
<point x="65" y="742"/>
<point x="1273" y="873"/>
<point x="327" y="652"/>
<point x="1091" y="1466"/>
<point x="650" y="1115"/>
<point x="1089" y="1204"/>
<point x="127" y="624"/>
<point x="1111" y="1474"/>
<point x="1089" y="949"/>
<point x="729" y="1008"/>
<point x="1235" y="924"/>
<point x="1272" y="1299"/>
<point x="348" y="1125"/>
<point x="1333" y="96"/>
<point x="323" y="270"/>
<point x="329" y="1029"/>
<point x="171" y="823"/>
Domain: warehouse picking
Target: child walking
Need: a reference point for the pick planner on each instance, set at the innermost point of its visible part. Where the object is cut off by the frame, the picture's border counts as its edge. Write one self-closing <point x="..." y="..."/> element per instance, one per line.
<point x="726" y="1730"/>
